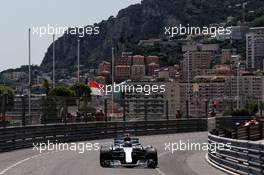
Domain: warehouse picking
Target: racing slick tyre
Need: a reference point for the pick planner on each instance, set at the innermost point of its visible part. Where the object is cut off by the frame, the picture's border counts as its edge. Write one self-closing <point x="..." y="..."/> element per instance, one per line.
<point x="104" y="156"/>
<point x="152" y="156"/>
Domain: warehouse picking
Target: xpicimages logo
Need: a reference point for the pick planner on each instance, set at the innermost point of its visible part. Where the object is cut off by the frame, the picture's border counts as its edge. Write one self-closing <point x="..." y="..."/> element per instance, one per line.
<point x="56" y="146"/>
<point x="145" y="89"/>
<point x="59" y="30"/>
<point x="192" y="146"/>
<point x="173" y="31"/>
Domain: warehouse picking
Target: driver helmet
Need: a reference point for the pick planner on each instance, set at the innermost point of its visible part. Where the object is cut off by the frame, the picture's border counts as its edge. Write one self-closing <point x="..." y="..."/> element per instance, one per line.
<point x="127" y="144"/>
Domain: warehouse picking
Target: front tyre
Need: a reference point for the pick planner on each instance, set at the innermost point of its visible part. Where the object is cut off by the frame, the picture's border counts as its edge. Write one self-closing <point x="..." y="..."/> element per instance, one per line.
<point x="103" y="159"/>
<point x="153" y="158"/>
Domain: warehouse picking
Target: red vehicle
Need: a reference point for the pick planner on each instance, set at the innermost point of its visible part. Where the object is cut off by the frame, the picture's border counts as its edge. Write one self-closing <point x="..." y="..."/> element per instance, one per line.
<point x="251" y="123"/>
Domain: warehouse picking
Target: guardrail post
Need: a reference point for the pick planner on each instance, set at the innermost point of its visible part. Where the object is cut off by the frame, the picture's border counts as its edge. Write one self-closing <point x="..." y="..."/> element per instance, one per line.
<point x="105" y="109"/>
<point x="43" y="110"/>
<point x="187" y="109"/>
<point x="167" y="110"/>
<point x="206" y="109"/>
<point x="236" y="133"/>
<point x="124" y="110"/>
<point x="23" y="111"/>
<point x="145" y="111"/>
<point x="248" y="133"/>
<point x="64" y="110"/>
<point x="167" y="116"/>
<point x="261" y="129"/>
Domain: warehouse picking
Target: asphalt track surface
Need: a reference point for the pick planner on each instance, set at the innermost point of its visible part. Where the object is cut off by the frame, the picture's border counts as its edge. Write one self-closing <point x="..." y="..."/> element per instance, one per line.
<point x="189" y="162"/>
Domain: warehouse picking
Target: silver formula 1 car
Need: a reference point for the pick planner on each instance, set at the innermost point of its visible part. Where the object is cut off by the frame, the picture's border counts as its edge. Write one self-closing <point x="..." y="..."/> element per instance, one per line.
<point x="128" y="152"/>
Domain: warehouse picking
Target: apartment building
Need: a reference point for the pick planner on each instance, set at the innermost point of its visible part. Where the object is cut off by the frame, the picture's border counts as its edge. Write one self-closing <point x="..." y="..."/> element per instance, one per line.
<point x="223" y="91"/>
<point x="255" y="48"/>
<point x="122" y="72"/>
<point x="196" y="57"/>
<point x="156" y="105"/>
<point x="104" y="66"/>
<point x="202" y="90"/>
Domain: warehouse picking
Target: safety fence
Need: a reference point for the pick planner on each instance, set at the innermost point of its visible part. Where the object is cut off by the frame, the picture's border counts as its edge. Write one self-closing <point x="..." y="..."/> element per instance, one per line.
<point x="22" y="137"/>
<point x="238" y="153"/>
<point x="24" y="111"/>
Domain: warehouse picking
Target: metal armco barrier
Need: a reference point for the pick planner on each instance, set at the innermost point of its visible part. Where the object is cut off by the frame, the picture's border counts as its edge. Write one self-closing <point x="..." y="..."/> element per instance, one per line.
<point x="242" y="156"/>
<point x="23" y="137"/>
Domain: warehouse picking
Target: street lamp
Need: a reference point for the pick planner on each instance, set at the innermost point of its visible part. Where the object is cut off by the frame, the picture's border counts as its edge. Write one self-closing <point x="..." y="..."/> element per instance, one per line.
<point x="53" y="55"/>
<point x="29" y="72"/>
<point x="113" y="71"/>
<point x="188" y="84"/>
<point x="196" y="92"/>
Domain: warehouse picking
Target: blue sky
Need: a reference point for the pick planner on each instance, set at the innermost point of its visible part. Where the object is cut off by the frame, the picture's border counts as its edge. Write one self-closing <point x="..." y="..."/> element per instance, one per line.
<point x="17" y="16"/>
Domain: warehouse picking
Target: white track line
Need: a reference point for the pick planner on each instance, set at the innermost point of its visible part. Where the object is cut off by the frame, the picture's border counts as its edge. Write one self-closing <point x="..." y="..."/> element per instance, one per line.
<point x="29" y="158"/>
<point x="22" y="161"/>
<point x="157" y="169"/>
<point x="218" y="167"/>
<point x="43" y="154"/>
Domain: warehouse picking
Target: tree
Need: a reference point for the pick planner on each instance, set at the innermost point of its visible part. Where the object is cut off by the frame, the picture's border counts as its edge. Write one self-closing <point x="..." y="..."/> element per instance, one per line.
<point x="9" y="101"/>
<point x="259" y="22"/>
<point x="81" y="90"/>
<point x="6" y="102"/>
<point x="61" y="92"/>
<point x="46" y="86"/>
<point x="55" y="105"/>
<point x="49" y="110"/>
<point x="6" y="89"/>
<point x="252" y="107"/>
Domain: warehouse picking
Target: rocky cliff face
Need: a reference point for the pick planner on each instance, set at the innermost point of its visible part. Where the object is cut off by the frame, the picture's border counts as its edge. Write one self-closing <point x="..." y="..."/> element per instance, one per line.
<point x="140" y="21"/>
